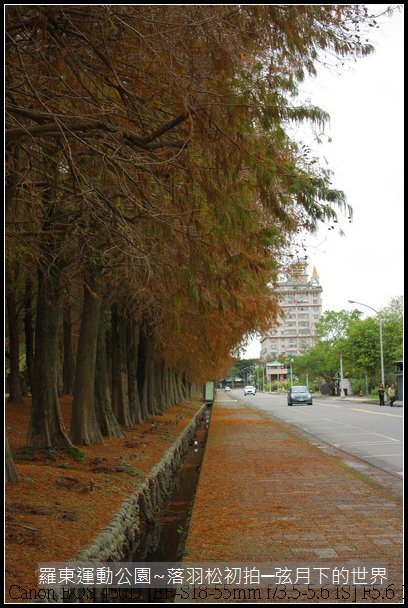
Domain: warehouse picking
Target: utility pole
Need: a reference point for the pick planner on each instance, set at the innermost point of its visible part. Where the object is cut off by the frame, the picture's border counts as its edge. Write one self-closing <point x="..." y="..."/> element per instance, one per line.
<point x="381" y="337"/>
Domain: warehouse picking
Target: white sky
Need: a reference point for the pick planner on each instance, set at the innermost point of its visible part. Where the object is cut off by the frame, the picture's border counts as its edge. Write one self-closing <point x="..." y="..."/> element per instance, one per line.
<point x="365" y="104"/>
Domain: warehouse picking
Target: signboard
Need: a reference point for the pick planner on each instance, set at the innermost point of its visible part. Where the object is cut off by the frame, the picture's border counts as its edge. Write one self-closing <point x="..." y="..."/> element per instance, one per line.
<point x="209" y="392"/>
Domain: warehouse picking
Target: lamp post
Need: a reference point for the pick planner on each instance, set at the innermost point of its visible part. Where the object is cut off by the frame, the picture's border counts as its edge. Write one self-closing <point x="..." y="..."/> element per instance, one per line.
<point x="381" y="338"/>
<point x="247" y="373"/>
<point x="268" y="380"/>
<point x="291" y="372"/>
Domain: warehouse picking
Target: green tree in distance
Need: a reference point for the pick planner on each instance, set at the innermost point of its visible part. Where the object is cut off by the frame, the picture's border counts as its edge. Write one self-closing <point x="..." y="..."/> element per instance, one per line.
<point x="344" y="333"/>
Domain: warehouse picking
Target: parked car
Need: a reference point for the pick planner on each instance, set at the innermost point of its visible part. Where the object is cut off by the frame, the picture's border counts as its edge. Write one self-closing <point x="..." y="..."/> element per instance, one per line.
<point x="249" y="390"/>
<point x="301" y="395"/>
<point x="227" y="389"/>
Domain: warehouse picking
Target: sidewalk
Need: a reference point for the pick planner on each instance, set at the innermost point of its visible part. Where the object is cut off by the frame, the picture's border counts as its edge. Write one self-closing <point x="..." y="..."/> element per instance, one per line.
<point x="268" y="496"/>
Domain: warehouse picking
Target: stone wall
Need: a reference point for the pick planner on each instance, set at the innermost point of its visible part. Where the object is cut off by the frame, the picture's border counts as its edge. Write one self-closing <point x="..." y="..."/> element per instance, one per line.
<point x="122" y="536"/>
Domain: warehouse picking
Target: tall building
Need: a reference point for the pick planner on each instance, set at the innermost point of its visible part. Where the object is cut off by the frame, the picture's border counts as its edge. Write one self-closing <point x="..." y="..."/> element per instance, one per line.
<point x="301" y="303"/>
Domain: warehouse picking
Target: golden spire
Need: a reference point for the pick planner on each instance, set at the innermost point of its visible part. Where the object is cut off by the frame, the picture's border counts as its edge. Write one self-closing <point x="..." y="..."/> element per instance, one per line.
<point x="315" y="276"/>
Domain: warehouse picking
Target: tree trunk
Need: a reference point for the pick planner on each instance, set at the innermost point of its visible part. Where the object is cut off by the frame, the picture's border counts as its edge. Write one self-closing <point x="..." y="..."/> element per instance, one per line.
<point x="171" y="396"/>
<point x="60" y="366"/>
<point x="46" y="428"/>
<point x="11" y="473"/>
<point x="151" y="386"/>
<point x="159" y="386"/>
<point x="108" y="349"/>
<point x="106" y="419"/>
<point x="179" y="388"/>
<point x="142" y="373"/>
<point x="132" y="344"/>
<point x="172" y="384"/>
<point x="163" y="386"/>
<point x="68" y="365"/>
<point x="187" y="387"/>
<point x="28" y="331"/>
<point x="13" y="177"/>
<point x="15" y="385"/>
<point x="13" y="182"/>
<point x="84" y="425"/>
<point x="146" y="370"/>
<point x="120" y="400"/>
<point x="166" y="385"/>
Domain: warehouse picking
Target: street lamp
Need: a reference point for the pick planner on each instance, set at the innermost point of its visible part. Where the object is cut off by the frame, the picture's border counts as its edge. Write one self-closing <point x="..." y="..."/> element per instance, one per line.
<point x="341" y="378"/>
<point x="291" y="371"/>
<point x="381" y="338"/>
<point x="247" y="373"/>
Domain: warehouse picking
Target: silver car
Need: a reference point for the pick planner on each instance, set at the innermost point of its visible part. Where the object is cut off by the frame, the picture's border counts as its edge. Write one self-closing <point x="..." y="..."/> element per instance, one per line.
<point x="300" y="395"/>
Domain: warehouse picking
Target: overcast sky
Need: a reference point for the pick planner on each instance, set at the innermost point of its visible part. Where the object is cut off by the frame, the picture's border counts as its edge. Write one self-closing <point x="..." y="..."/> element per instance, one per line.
<point x="365" y="104"/>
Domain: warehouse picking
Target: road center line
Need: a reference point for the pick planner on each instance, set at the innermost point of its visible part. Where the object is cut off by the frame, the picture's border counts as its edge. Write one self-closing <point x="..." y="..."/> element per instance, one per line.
<point x="356" y="409"/>
<point x="368" y="442"/>
<point x="339" y="434"/>
<point x="381" y="455"/>
<point x="337" y="422"/>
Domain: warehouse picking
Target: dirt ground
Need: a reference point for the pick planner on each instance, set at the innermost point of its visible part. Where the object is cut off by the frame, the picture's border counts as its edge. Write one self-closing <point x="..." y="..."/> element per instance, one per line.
<point x="64" y="498"/>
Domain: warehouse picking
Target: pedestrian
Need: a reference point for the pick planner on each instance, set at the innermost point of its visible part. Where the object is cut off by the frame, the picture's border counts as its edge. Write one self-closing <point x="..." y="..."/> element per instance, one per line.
<point x="381" y="393"/>
<point x="391" y="394"/>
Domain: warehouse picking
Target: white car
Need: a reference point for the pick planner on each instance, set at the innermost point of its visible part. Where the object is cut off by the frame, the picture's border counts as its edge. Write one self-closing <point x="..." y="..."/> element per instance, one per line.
<point x="227" y="389"/>
<point x="249" y="390"/>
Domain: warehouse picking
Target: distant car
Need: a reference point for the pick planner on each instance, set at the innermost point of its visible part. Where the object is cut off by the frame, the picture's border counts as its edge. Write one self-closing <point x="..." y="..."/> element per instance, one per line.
<point x="249" y="390"/>
<point x="300" y="395"/>
<point x="227" y="389"/>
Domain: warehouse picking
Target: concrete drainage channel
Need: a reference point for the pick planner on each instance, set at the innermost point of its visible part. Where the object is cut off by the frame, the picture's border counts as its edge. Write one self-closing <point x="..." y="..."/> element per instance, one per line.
<point x="164" y="540"/>
<point x="152" y="524"/>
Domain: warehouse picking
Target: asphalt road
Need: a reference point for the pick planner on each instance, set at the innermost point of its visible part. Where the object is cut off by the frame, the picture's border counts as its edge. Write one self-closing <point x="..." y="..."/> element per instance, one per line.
<point x="372" y="433"/>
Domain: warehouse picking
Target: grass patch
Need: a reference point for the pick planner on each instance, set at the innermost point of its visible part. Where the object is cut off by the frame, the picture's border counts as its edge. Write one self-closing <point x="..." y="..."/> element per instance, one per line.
<point x="169" y="437"/>
<point x="110" y="490"/>
<point x="128" y="468"/>
<point x="24" y="454"/>
<point x="76" y="454"/>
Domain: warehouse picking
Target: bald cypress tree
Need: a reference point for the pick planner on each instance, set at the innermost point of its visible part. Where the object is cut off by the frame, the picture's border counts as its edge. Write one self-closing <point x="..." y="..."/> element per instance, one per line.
<point x="164" y="153"/>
